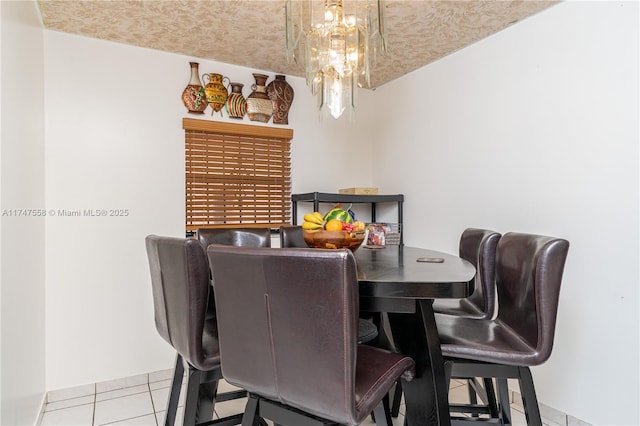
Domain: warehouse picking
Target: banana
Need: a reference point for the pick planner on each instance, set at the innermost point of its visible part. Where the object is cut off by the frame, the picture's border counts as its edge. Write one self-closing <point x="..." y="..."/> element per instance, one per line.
<point x="313" y="218"/>
<point x="310" y="225"/>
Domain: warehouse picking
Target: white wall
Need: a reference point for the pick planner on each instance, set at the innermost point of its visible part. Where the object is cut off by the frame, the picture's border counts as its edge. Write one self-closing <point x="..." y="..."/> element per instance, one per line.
<point x="22" y="238"/>
<point x="535" y="129"/>
<point x="115" y="141"/>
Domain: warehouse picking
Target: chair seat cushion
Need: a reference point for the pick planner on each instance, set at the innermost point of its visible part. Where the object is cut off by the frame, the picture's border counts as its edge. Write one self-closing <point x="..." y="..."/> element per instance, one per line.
<point x="483" y="340"/>
<point x="375" y="367"/>
<point x="459" y="307"/>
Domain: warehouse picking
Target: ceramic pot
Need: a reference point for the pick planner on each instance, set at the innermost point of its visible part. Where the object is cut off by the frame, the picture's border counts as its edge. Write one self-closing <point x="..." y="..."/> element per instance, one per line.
<point x="236" y="104"/>
<point x="281" y="94"/>
<point x="193" y="96"/>
<point x="215" y="91"/>
<point x="259" y="106"/>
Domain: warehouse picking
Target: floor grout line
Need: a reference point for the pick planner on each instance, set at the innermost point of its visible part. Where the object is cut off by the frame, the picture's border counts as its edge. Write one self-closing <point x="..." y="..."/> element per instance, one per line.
<point x="93" y="415"/>
<point x="153" y="405"/>
<point x="124" y="396"/>
<point x="66" y="408"/>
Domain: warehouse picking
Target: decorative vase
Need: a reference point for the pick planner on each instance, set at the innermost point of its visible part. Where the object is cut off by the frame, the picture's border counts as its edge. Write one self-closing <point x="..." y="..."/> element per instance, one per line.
<point x="193" y="96"/>
<point x="281" y="94"/>
<point x="236" y="104"/>
<point x="215" y="90"/>
<point x="259" y="105"/>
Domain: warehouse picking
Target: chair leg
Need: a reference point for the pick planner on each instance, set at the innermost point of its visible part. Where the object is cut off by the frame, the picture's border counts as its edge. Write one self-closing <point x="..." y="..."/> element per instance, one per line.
<point x="206" y="400"/>
<point x="383" y="341"/>
<point x="174" y="393"/>
<point x="529" y="399"/>
<point x="386" y="411"/>
<point x="473" y="396"/>
<point x="491" y="397"/>
<point x="485" y="393"/>
<point x="250" y="411"/>
<point x="448" y="372"/>
<point x="503" y="397"/>
<point x="397" y="399"/>
<point x="191" y="403"/>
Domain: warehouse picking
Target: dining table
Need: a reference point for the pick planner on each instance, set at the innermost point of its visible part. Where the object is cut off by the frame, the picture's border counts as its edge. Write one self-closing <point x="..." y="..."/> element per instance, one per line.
<point x="401" y="283"/>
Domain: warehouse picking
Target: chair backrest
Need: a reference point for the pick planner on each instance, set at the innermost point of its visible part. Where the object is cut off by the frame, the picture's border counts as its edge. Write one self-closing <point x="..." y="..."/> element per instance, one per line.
<point x="180" y="285"/>
<point x="291" y="236"/>
<point x="529" y="271"/>
<point x="478" y="246"/>
<point x="252" y="237"/>
<point x="288" y="322"/>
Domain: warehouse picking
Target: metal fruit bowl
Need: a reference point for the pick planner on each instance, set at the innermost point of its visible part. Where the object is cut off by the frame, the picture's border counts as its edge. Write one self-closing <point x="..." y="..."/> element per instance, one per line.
<point x="333" y="239"/>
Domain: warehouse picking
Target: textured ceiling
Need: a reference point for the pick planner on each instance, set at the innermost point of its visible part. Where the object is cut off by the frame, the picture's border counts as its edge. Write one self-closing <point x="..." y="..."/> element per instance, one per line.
<point x="251" y="33"/>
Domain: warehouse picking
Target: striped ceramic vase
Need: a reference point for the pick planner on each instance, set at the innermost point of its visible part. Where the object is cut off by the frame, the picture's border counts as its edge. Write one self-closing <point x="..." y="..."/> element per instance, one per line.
<point x="236" y="104"/>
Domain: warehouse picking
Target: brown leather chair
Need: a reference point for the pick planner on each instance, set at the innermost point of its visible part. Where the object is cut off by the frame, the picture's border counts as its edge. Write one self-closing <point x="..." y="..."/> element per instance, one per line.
<point x="529" y="271"/>
<point x="180" y="285"/>
<point x="477" y="246"/>
<point x="253" y="237"/>
<point x="291" y="236"/>
<point x="288" y="323"/>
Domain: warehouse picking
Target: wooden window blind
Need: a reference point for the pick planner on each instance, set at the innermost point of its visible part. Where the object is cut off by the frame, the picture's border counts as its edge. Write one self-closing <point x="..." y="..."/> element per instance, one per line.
<point x="237" y="175"/>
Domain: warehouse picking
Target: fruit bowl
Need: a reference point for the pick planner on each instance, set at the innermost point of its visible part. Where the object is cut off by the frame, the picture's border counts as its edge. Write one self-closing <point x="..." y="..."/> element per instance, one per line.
<point x="333" y="239"/>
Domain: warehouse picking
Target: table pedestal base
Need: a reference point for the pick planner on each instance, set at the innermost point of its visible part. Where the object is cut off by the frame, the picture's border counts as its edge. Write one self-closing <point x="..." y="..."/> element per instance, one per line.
<point x="416" y="335"/>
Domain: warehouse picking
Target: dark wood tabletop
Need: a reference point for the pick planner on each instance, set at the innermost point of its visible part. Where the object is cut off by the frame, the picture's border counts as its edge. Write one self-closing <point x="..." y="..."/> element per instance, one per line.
<point x="394" y="271"/>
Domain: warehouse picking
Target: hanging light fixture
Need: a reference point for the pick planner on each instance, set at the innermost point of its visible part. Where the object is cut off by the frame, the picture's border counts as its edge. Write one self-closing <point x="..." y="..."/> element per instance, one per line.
<point x="337" y="41"/>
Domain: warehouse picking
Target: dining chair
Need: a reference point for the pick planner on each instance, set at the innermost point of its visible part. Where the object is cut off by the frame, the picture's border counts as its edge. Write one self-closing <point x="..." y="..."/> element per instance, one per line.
<point x="292" y="236"/>
<point x="254" y="237"/>
<point x="288" y="323"/>
<point x="477" y="246"/>
<point x="529" y="271"/>
<point x="180" y="286"/>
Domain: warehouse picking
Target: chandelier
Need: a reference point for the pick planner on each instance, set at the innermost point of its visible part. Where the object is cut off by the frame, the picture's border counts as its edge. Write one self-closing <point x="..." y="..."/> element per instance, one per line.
<point x="337" y="41"/>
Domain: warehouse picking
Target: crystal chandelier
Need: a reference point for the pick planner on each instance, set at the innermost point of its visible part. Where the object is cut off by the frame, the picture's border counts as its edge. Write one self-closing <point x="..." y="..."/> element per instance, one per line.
<point x="337" y="41"/>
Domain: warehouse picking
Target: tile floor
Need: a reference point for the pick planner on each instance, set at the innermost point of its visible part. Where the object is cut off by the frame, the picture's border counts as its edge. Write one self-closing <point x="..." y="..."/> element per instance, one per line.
<point x="141" y="400"/>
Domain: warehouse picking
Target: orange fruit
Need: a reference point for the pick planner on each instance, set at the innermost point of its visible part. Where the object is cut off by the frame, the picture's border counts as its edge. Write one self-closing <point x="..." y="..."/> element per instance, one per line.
<point x="333" y="225"/>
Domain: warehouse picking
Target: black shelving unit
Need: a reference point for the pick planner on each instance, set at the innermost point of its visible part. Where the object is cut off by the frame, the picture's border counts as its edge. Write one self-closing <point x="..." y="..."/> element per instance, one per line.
<point x="322" y="197"/>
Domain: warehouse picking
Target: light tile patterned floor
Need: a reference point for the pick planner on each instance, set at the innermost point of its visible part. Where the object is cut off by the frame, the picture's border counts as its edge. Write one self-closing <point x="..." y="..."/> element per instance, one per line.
<point x="141" y="400"/>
